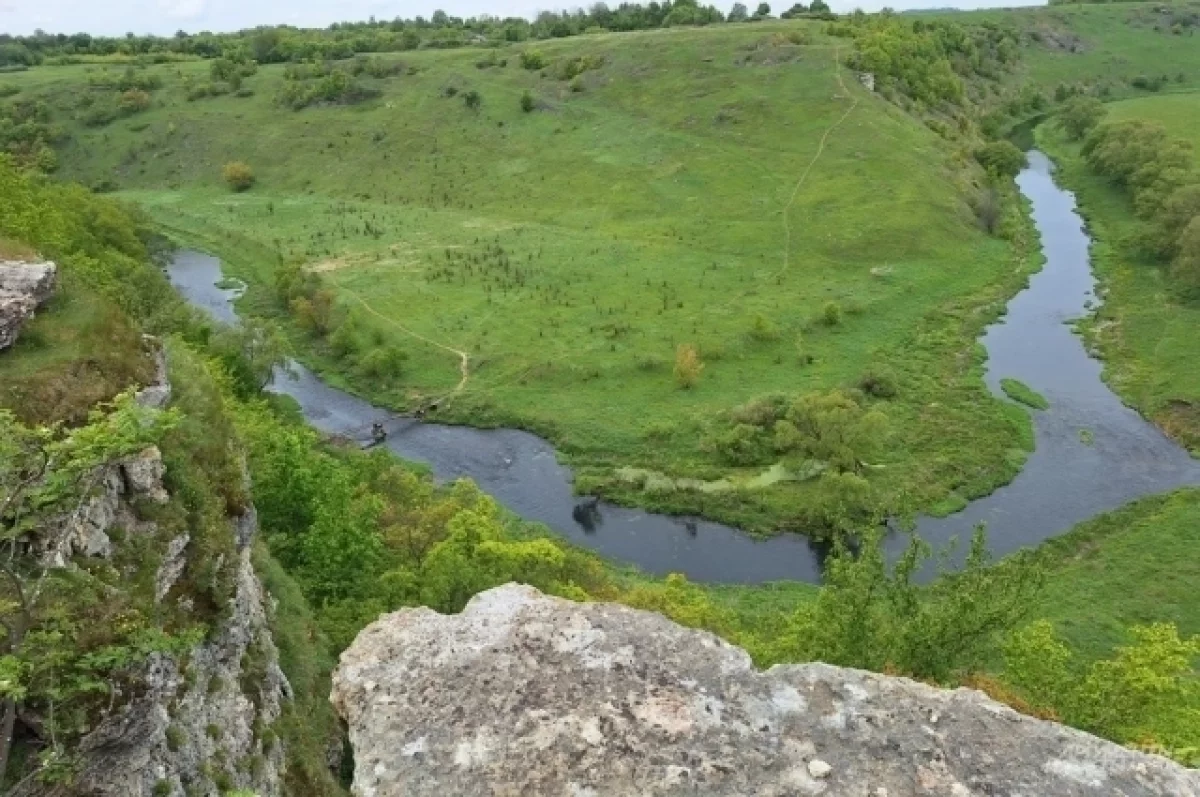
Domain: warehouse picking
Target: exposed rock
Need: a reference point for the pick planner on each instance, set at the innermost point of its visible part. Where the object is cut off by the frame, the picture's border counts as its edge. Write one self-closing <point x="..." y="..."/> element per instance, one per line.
<point x="86" y="530"/>
<point x="157" y="393"/>
<point x="23" y="288"/>
<point x="144" y="474"/>
<point x="164" y="742"/>
<point x="173" y="564"/>
<point x="526" y="694"/>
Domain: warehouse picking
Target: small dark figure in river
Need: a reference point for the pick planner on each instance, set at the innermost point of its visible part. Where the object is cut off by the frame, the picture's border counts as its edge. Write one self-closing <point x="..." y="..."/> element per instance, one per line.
<point x="690" y="526"/>
<point x="587" y="514"/>
<point x="378" y="433"/>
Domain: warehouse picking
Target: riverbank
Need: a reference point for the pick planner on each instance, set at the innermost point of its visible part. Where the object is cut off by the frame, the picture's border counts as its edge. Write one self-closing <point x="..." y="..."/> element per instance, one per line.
<point x="1145" y="336"/>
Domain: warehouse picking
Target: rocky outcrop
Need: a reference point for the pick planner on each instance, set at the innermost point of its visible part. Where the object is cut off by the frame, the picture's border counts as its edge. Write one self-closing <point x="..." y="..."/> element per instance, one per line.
<point x="525" y="694"/>
<point x="197" y="725"/>
<point x="23" y="288"/>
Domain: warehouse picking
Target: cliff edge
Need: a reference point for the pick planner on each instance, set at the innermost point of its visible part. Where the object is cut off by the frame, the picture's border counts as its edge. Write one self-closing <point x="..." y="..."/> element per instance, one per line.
<point x="525" y="694"/>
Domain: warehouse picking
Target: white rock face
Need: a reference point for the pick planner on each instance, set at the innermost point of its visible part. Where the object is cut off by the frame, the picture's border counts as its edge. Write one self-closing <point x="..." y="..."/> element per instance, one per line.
<point x="23" y="288"/>
<point x="524" y="694"/>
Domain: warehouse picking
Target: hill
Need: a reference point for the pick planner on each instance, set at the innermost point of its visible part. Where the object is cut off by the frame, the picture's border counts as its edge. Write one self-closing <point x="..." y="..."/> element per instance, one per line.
<point x="730" y="189"/>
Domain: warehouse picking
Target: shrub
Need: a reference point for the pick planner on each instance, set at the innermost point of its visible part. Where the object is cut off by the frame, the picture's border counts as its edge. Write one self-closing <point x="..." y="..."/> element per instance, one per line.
<point x="175" y="738"/>
<point x="1001" y="158"/>
<point x="133" y="101"/>
<point x="880" y="383"/>
<point x="988" y="209"/>
<point x="763" y="329"/>
<point x="1080" y="115"/>
<point x="532" y="60"/>
<point x="527" y="103"/>
<point x="688" y="366"/>
<point x="472" y="100"/>
<point x="831" y="314"/>
<point x="238" y="175"/>
<point x="1187" y="263"/>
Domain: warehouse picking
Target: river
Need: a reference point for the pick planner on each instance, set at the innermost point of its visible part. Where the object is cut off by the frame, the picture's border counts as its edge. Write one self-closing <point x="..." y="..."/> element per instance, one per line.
<point x="1093" y="453"/>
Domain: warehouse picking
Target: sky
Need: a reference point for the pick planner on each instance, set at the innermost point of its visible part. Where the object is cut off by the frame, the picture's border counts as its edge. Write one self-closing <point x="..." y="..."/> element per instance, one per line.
<point x="117" y="17"/>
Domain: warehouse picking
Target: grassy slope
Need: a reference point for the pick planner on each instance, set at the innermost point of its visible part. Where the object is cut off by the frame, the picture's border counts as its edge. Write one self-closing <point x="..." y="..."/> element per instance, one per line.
<point x="646" y="211"/>
<point x="1113" y="43"/>
<point x="1178" y="113"/>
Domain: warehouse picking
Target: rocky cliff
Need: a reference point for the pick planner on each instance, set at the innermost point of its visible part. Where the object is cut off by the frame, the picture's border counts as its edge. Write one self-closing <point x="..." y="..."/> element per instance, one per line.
<point x="525" y="694"/>
<point x="23" y="288"/>
<point x="189" y="726"/>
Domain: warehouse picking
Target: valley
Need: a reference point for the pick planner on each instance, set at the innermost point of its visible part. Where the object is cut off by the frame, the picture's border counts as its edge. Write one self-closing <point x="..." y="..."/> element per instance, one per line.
<point x="863" y="338"/>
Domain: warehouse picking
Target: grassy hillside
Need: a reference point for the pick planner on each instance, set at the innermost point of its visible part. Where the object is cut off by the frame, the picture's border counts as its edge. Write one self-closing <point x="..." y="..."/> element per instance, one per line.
<point x="1105" y="45"/>
<point x="1178" y="113"/>
<point x="722" y="188"/>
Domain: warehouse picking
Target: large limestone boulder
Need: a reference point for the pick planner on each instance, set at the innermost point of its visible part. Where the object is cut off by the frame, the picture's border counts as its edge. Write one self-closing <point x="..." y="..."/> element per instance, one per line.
<point x="23" y="288"/>
<point x="524" y="694"/>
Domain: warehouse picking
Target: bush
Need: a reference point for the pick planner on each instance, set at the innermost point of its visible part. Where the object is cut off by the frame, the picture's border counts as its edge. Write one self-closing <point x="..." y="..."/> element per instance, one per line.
<point x="1001" y="158"/>
<point x="532" y="60"/>
<point x="763" y="329"/>
<point x="988" y="209"/>
<point x="472" y="100"/>
<point x="527" y="103"/>
<point x="133" y="101"/>
<point x="688" y="366"/>
<point x="1186" y="268"/>
<point x="238" y="175"/>
<point x="1080" y="115"/>
<point x="831" y="314"/>
<point x="880" y="383"/>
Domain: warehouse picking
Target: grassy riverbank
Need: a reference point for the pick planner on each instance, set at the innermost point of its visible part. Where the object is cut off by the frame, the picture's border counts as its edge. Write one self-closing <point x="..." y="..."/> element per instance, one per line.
<point x="730" y="189"/>
<point x="1144" y="331"/>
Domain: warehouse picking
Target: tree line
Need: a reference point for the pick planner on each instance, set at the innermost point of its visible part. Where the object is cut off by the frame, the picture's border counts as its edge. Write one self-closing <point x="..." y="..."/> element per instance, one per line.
<point x="280" y="44"/>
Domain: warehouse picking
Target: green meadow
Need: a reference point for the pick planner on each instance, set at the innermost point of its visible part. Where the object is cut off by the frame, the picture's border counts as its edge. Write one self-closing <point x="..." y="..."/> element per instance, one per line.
<point x="731" y="189"/>
<point x="1178" y="113"/>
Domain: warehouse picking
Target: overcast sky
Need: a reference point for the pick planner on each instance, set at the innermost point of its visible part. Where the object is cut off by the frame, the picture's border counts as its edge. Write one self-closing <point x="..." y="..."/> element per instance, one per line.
<point x="114" y="17"/>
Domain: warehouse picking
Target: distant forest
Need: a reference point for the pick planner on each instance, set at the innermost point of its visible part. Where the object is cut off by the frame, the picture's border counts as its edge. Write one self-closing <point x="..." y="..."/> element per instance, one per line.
<point x="342" y="40"/>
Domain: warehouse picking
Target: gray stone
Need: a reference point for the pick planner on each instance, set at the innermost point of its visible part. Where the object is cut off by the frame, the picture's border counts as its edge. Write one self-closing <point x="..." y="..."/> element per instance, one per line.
<point x="157" y="394"/>
<point x="23" y="288"/>
<point x="525" y="694"/>
<point x="144" y="474"/>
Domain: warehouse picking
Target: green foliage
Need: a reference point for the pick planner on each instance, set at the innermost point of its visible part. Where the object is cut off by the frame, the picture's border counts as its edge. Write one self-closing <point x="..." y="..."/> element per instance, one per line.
<point x="831" y="314"/>
<point x="1119" y="697"/>
<point x="527" y="102"/>
<point x="472" y="99"/>
<point x="1001" y="158"/>
<point x="532" y="60"/>
<point x="1080" y="115"/>
<point x="238" y="175"/>
<point x="1018" y="391"/>
<point x="876" y="617"/>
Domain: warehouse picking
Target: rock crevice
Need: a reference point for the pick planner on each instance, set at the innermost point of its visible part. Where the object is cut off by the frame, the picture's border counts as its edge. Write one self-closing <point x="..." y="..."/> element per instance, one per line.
<point x="527" y="694"/>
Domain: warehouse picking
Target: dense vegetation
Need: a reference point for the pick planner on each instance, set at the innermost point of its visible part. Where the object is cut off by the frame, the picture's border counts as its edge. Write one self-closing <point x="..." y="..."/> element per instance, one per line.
<point x="707" y="254"/>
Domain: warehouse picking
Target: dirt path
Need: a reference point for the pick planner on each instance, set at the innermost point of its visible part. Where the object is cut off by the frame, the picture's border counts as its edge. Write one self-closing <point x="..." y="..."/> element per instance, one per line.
<point x="787" y="227"/>
<point x="464" y="358"/>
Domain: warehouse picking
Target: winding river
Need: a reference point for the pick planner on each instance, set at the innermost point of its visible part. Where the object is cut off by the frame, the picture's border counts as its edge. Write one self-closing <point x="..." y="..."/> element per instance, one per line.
<point x="1093" y="453"/>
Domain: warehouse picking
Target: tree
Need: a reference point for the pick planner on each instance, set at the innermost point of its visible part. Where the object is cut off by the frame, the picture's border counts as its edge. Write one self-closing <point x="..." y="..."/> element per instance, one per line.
<point x="819" y="7"/>
<point x="1116" y="697"/>
<point x="763" y="11"/>
<point x="238" y="175"/>
<point x="738" y="13"/>
<point x="1001" y="158"/>
<point x="1080" y="115"/>
<point x="874" y="616"/>
<point x="688" y="366"/>
<point x="797" y="10"/>
<point x="1177" y="212"/>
